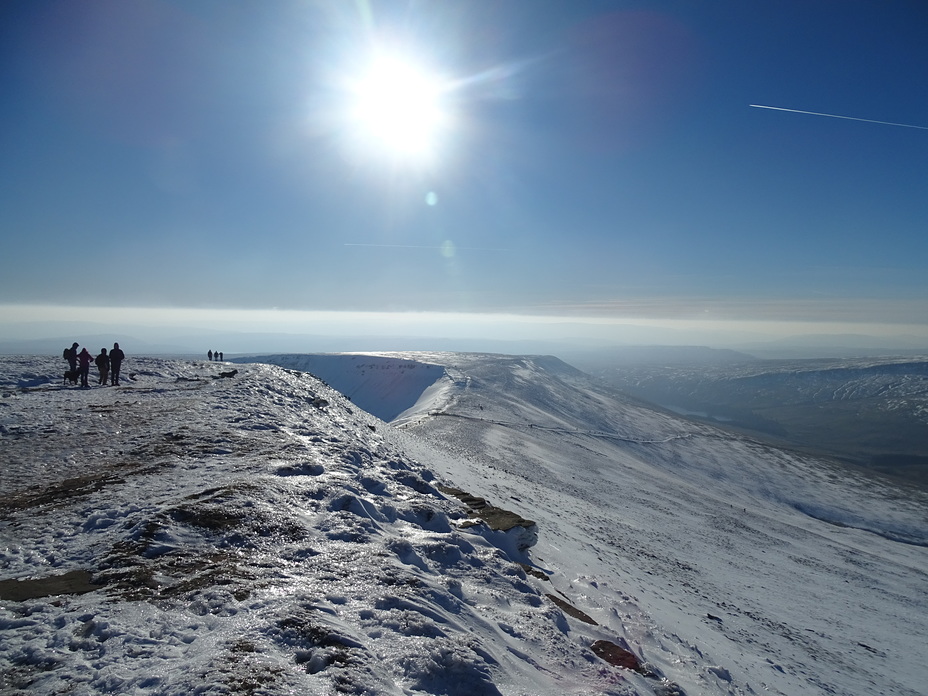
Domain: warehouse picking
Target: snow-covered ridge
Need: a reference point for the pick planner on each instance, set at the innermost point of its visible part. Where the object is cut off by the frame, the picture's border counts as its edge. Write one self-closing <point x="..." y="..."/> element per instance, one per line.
<point x="261" y="534"/>
<point x="258" y="533"/>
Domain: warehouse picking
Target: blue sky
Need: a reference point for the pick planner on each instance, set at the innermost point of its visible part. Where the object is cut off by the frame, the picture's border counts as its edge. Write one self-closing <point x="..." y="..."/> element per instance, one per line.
<point x="592" y="159"/>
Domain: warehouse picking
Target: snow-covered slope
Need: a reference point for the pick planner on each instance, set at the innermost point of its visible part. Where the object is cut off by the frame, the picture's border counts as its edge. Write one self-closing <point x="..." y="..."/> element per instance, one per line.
<point x="384" y="386"/>
<point x="733" y="565"/>
<point x="255" y="534"/>
<point x="713" y="555"/>
<point x="261" y="534"/>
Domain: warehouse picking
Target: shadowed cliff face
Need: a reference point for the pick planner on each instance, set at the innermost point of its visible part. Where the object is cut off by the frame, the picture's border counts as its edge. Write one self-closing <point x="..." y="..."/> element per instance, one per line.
<point x="382" y="386"/>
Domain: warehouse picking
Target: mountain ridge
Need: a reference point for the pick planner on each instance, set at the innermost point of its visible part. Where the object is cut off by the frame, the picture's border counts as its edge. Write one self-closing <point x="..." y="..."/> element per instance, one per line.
<point x="277" y="537"/>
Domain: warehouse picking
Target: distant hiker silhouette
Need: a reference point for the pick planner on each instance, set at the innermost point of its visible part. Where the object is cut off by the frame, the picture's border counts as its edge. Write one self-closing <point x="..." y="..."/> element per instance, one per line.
<point x="116" y="358"/>
<point x="70" y="354"/>
<point x="209" y="354"/>
<point x="84" y="358"/>
<point x="220" y="355"/>
<point x="103" y="364"/>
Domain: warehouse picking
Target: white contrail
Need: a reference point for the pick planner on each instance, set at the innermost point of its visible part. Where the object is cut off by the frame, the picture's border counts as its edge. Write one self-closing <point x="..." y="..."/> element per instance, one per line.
<point x="417" y="246"/>
<point x="847" y="118"/>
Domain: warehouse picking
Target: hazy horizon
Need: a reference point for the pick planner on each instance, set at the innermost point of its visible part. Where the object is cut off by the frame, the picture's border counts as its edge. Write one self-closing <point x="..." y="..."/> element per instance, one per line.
<point x="173" y="330"/>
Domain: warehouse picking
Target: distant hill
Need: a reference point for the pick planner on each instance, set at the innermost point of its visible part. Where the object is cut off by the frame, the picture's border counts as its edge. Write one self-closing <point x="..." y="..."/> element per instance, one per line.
<point x="871" y="412"/>
<point x="654" y="355"/>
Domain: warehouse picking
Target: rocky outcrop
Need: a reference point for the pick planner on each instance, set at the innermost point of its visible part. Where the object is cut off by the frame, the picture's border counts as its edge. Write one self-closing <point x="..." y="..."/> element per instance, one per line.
<point x="523" y="532"/>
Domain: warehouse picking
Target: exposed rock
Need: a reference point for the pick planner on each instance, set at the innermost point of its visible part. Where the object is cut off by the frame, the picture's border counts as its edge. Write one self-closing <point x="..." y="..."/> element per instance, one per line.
<point x="524" y="532"/>
<point x="571" y="610"/>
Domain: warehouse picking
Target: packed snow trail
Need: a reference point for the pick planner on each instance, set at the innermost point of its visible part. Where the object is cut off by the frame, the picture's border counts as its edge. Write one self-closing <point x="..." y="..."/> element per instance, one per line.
<point x="573" y="431"/>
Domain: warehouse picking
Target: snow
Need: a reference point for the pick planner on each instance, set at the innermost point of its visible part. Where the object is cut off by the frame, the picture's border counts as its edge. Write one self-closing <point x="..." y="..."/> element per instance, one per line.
<point x="385" y="386"/>
<point x="262" y="534"/>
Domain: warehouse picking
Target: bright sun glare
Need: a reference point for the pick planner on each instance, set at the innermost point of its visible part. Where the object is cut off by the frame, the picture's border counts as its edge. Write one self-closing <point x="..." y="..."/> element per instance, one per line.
<point x="399" y="108"/>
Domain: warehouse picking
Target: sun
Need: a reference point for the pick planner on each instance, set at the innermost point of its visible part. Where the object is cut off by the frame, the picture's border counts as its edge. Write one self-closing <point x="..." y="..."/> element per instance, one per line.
<point x="399" y="108"/>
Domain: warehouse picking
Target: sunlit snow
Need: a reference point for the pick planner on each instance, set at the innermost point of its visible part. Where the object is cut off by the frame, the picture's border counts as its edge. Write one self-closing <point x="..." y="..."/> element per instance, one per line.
<point x="260" y="533"/>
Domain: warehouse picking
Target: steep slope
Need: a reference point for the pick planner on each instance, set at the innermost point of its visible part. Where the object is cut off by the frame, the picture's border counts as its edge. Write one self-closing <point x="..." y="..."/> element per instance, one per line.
<point x="731" y="565"/>
<point x="256" y="533"/>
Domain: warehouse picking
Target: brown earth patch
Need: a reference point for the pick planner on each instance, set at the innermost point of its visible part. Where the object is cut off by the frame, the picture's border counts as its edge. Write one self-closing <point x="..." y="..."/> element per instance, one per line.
<point x="73" y="582"/>
<point x="616" y="655"/>
<point x="58" y="493"/>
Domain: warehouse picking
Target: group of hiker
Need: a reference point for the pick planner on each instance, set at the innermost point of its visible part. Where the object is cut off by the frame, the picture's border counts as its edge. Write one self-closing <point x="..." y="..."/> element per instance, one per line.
<point x="108" y="364"/>
<point x="214" y="355"/>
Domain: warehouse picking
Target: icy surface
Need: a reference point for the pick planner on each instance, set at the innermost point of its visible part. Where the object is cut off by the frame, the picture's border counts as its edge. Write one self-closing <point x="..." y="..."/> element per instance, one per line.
<point x="261" y="534"/>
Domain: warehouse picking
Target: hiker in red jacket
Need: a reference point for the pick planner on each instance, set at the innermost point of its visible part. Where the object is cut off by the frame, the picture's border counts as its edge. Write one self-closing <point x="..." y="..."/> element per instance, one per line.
<point x="84" y="358"/>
